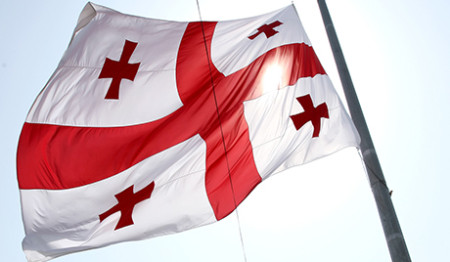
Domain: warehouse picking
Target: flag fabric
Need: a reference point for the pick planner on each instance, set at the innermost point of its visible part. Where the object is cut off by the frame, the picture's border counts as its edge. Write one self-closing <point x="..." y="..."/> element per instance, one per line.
<point x="150" y="127"/>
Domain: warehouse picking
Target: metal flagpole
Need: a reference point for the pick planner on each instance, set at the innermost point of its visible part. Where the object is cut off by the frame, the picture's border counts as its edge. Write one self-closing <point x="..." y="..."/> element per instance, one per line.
<point x="392" y="231"/>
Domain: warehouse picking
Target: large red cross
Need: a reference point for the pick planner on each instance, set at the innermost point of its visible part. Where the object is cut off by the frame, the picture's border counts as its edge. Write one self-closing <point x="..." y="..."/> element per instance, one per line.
<point x="118" y="70"/>
<point x="267" y="29"/>
<point x="311" y="113"/>
<point x="100" y="153"/>
<point x="127" y="200"/>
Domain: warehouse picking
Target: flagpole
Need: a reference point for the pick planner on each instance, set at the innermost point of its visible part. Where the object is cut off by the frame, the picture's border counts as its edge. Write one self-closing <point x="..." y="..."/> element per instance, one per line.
<point x="392" y="231"/>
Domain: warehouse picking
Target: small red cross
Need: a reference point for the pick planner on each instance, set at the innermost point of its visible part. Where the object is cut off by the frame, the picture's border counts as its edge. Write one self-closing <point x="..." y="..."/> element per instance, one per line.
<point x="127" y="201"/>
<point x="311" y="113"/>
<point x="267" y="29"/>
<point x="117" y="70"/>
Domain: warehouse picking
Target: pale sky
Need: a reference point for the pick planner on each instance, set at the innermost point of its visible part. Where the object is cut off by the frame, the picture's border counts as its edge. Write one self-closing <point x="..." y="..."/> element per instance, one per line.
<point x="397" y="53"/>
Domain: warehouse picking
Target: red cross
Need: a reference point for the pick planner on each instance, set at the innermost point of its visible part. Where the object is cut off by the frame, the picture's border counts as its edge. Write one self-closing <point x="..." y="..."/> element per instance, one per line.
<point x="118" y="70"/>
<point x="104" y="152"/>
<point x="127" y="200"/>
<point x="267" y="29"/>
<point x="311" y="113"/>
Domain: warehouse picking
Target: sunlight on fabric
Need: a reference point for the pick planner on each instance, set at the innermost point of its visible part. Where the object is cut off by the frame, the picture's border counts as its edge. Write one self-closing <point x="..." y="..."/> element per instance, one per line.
<point x="272" y="78"/>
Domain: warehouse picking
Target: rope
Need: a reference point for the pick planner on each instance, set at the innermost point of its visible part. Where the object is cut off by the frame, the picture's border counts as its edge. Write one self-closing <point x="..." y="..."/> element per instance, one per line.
<point x="368" y="169"/>
<point x="221" y="132"/>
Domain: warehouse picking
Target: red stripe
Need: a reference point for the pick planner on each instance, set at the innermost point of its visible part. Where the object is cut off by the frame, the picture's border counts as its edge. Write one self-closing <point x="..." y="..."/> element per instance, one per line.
<point x="62" y="157"/>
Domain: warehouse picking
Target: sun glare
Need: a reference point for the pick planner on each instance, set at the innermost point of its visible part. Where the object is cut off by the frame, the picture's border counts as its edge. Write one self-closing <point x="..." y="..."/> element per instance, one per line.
<point x="272" y="78"/>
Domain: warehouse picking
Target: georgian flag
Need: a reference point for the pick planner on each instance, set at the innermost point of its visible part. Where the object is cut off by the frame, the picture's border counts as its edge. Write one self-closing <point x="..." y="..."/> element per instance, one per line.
<point x="150" y="127"/>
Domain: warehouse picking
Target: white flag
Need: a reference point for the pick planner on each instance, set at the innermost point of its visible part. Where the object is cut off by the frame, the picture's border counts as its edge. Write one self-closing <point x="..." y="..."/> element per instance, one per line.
<point x="150" y="127"/>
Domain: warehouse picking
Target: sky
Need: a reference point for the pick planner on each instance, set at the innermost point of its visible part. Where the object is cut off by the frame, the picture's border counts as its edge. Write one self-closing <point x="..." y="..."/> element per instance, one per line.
<point x="397" y="54"/>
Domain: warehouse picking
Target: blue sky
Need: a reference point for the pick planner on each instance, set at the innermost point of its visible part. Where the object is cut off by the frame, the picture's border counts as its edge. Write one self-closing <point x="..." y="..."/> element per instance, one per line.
<point x="397" y="53"/>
